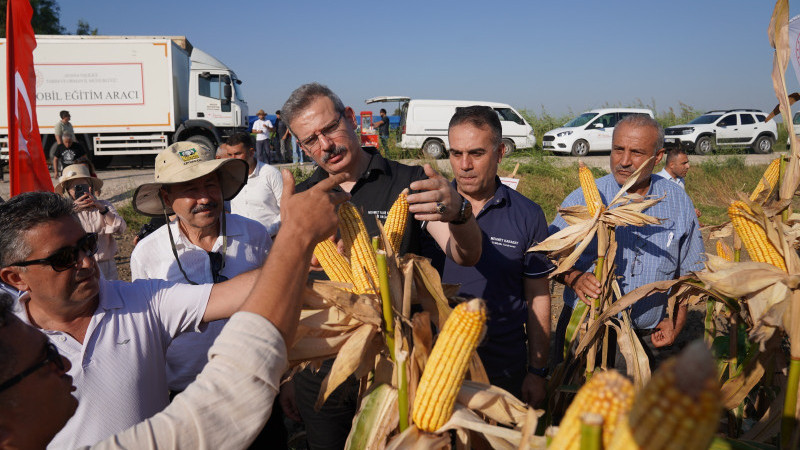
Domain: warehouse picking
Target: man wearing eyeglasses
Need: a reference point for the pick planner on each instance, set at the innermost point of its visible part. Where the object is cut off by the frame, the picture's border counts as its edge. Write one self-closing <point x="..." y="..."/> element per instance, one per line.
<point x="326" y="132"/>
<point x="645" y="254"/>
<point x="224" y="408"/>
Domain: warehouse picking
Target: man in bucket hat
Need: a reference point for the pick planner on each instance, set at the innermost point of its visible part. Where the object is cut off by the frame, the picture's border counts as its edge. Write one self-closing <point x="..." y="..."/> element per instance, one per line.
<point x="202" y="245"/>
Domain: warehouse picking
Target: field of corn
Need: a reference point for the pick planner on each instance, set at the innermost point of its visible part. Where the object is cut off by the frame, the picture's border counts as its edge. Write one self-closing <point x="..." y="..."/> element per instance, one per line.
<point x="735" y="389"/>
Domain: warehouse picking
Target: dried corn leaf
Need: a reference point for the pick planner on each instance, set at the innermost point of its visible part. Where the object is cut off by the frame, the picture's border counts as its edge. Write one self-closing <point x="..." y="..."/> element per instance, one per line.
<point x="778" y="34"/>
<point x="362" y="307"/>
<point x="414" y="439"/>
<point x="734" y="390"/>
<point x="476" y="370"/>
<point x="313" y="348"/>
<point x="348" y="360"/>
<point x="637" y="364"/>
<point x="429" y="287"/>
<point x="498" y="437"/>
<point x="494" y="403"/>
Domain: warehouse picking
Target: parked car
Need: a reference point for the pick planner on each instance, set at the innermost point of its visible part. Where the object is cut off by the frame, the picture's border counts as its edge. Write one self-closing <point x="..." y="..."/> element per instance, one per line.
<point x="589" y="132"/>
<point x="725" y="128"/>
<point x="423" y="124"/>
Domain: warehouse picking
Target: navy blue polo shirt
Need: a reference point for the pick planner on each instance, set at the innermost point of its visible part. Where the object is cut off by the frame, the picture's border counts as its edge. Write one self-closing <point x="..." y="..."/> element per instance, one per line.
<point x="510" y="224"/>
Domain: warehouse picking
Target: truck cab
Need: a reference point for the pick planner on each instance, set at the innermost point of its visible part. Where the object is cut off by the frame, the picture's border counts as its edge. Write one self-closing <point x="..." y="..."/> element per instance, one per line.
<point x="219" y="95"/>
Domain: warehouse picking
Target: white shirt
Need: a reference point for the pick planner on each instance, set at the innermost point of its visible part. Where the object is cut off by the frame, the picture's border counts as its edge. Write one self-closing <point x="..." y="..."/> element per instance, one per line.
<point x="263" y="126"/>
<point x="118" y="370"/>
<point x="248" y="244"/>
<point x="260" y="198"/>
<point x="230" y="400"/>
<point x="668" y="176"/>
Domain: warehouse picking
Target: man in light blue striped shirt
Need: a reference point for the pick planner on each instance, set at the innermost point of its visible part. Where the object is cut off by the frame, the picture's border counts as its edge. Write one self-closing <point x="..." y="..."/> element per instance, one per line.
<point x="645" y="254"/>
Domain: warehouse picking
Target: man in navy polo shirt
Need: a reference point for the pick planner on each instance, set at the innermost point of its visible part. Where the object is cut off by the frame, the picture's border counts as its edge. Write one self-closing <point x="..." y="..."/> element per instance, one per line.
<point x="513" y="282"/>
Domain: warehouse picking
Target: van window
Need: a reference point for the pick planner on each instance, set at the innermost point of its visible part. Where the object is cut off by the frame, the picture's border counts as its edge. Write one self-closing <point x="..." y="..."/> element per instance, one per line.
<point x="727" y="121"/>
<point x="508" y="114"/>
<point x="608" y="120"/>
<point x="210" y="86"/>
<point x="746" y="119"/>
<point x="581" y="120"/>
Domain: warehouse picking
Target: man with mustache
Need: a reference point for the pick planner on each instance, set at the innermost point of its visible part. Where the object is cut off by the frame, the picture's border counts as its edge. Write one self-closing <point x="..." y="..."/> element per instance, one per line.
<point x="325" y="129"/>
<point x="204" y="244"/>
<point x="645" y="254"/>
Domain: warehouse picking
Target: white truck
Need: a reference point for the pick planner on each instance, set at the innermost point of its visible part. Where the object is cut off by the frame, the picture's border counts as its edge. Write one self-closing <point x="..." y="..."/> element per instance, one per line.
<point x="131" y="95"/>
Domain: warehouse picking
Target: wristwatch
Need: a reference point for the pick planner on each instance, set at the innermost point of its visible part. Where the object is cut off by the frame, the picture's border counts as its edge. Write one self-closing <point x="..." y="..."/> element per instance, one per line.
<point x="539" y="372"/>
<point x="464" y="213"/>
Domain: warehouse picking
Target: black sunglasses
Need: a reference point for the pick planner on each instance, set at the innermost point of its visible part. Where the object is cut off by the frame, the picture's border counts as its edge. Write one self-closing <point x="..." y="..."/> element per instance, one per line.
<point x="51" y="356"/>
<point x="67" y="257"/>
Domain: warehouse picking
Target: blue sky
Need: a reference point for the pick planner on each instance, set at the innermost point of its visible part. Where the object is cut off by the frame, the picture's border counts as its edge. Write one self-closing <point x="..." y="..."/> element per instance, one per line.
<point x="560" y="56"/>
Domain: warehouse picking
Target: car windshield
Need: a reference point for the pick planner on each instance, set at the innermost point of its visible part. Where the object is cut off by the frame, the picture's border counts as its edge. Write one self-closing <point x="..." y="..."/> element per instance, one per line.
<point x="706" y="118"/>
<point x="583" y="119"/>
<point x="796" y="119"/>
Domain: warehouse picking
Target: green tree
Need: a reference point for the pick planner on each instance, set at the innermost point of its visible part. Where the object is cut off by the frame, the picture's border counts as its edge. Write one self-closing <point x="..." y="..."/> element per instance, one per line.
<point x="46" y="17"/>
<point x="84" y="29"/>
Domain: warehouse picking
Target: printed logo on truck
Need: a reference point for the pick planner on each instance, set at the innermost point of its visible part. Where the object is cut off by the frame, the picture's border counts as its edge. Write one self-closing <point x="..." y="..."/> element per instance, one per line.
<point x="189" y="156"/>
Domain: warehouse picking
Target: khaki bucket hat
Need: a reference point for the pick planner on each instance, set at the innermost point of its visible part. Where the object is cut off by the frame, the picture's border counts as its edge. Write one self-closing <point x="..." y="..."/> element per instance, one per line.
<point x="187" y="161"/>
<point x="261" y="113"/>
<point x="76" y="171"/>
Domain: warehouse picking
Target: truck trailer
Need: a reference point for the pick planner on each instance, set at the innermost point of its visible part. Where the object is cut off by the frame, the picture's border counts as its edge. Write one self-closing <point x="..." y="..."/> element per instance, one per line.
<point x="131" y="95"/>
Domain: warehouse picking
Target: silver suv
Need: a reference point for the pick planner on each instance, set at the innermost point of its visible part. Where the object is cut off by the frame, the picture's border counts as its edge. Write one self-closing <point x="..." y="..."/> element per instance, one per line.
<point x="725" y="128"/>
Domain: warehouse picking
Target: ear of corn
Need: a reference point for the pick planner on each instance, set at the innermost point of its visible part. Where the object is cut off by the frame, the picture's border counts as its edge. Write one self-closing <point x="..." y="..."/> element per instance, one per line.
<point x="589" y="186"/>
<point x="608" y="394"/>
<point x="678" y="408"/>
<point x="445" y="370"/>
<point x="333" y="263"/>
<point x="771" y="175"/>
<point x="363" y="265"/>
<point x="753" y="236"/>
<point x="723" y="251"/>
<point x="395" y="225"/>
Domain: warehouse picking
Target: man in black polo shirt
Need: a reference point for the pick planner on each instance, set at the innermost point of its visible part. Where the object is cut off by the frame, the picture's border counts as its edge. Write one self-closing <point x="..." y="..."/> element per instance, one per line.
<point x="512" y="280"/>
<point x="326" y="132"/>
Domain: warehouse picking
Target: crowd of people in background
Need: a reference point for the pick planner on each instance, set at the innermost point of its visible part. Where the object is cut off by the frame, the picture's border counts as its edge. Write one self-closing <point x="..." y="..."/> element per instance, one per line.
<point x="194" y="349"/>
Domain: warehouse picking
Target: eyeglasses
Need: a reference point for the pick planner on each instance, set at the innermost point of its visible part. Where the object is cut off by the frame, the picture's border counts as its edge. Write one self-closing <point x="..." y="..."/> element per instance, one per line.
<point x="217" y="264"/>
<point x="311" y="143"/>
<point x="51" y="356"/>
<point x="67" y="257"/>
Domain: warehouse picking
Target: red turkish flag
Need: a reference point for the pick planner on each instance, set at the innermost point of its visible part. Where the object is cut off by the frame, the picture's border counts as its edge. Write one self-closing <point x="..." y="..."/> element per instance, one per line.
<point x="27" y="163"/>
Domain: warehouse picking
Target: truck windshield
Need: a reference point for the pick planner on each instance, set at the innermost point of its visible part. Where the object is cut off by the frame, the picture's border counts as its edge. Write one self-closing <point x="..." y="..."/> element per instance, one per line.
<point x="237" y="87"/>
<point x="583" y="119"/>
<point x="706" y="118"/>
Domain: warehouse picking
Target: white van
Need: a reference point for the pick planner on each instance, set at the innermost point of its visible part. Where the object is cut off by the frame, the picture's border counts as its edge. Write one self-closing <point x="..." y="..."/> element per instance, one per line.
<point x="589" y="132"/>
<point x="423" y="124"/>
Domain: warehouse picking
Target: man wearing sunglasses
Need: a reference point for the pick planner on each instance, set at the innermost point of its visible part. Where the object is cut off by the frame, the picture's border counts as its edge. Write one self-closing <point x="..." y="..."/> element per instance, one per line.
<point x="226" y="406"/>
<point x="326" y="132"/>
<point x="114" y="333"/>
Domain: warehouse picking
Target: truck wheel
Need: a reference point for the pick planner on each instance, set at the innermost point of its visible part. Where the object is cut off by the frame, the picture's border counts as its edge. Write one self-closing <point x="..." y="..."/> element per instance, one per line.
<point x="763" y="145"/>
<point x="510" y="147"/>
<point x="703" y="146"/>
<point x="433" y="149"/>
<point x="202" y="140"/>
<point x="580" y="148"/>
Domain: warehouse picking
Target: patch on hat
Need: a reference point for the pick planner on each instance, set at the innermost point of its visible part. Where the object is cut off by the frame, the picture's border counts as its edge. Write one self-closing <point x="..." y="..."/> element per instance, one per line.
<point x="189" y="156"/>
